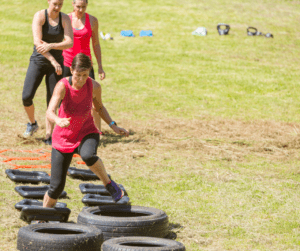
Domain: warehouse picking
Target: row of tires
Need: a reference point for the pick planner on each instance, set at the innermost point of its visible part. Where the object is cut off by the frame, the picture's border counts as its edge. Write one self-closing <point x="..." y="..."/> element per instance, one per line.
<point x="119" y="228"/>
<point x="35" y="177"/>
<point x="75" y="237"/>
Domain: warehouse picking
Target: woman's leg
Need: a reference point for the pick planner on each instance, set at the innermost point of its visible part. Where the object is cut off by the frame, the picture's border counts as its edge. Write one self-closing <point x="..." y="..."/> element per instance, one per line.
<point x="88" y="152"/>
<point x="60" y="163"/>
<point x="66" y="71"/>
<point x="33" y="79"/>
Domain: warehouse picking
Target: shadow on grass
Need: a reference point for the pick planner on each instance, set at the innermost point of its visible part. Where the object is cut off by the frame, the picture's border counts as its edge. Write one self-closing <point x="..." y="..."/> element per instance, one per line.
<point x="173" y="228"/>
<point x="105" y="139"/>
<point x="112" y="138"/>
<point x="29" y="140"/>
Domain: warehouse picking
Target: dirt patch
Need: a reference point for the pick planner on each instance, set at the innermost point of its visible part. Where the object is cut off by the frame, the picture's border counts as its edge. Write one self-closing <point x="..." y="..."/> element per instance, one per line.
<point x="219" y="139"/>
<point x="206" y="139"/>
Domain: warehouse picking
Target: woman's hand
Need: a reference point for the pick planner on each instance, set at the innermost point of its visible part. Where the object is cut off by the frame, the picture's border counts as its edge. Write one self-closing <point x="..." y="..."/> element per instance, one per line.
<point x="43" y="47"/>
<point x="120" y="130"/>
<point x="101" y="73"/>
<point x="57" y="67"/>
<point x="63" y="122"/>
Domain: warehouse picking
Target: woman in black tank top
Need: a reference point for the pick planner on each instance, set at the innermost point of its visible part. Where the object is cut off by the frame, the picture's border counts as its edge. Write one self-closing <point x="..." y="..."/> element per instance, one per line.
<point x="52" y="33"/>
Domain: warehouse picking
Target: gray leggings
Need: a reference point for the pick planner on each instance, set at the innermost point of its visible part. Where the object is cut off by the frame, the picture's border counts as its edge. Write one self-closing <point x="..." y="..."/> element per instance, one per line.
<point x="34" y="76"/>
<point x="60" y="162"/>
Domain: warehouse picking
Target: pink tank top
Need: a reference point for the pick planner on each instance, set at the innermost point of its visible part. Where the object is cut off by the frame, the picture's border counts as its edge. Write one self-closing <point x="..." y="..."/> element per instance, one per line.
<point x="81" y="43"/>
<point x="77" y="105"/>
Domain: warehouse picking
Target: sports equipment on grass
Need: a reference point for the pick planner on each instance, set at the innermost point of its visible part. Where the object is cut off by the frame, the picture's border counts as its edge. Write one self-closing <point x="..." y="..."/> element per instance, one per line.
<point x="100" y="200"/>
<point x="141" y="243"/>
<point x="32" y="177"/>
<point x="59" y="237"/>
<point x="36" y="203"/>
<point x="82" y="174"/>
<point x="37" y="213"/>
<point x="97" y="189"/>
<point x="35" y="192"/>
<point x="122" y="221"/>
<point x="200" y="31"/>
<point x="221" y="30"/>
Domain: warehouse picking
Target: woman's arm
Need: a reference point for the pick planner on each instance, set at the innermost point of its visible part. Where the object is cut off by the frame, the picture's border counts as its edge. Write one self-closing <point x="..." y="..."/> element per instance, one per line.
<point x="96" y="46"/>
<point x="65" y="44"/>
<point x="58" y="95"/>
<point x="37" y="24"/>
<point x="100" y="108"/>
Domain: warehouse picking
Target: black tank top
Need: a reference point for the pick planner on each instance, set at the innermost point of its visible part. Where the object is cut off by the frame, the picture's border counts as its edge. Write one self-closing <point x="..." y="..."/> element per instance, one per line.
<point x="50" y="34"/>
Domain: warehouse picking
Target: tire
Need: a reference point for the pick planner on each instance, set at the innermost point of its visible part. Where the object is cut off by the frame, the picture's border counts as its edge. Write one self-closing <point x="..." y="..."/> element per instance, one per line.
<point x="32" y="177"/>
<point x="35" y="192"/>
<point x="83" y="174"/>
<point x="119" y="221"/>
<point x="142" y="244"/>
<point x="27" y="202"/>
<point x="93" y="200"/>
<point x="89" y="188"/>
<point x="59" y="237"/>
<point x="33" y="213"/>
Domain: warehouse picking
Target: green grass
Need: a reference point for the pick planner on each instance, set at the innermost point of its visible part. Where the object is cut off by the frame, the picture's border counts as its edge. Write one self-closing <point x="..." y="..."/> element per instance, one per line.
<point x="214" y="120"/>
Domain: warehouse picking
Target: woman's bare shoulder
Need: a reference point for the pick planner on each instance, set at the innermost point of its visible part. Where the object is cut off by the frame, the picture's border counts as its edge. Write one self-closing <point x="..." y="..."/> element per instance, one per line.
<point x="40" y="16"/>
<point x="93" y="20"/>
<point x="96" y="85"/>
<point x="65" y="17"/>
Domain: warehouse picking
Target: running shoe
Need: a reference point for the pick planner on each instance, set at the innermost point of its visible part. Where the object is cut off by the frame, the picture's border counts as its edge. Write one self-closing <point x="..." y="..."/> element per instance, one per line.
<point x="114" y="190"/>
<point x="48" y="141"/>
<point x="31" y="129"/>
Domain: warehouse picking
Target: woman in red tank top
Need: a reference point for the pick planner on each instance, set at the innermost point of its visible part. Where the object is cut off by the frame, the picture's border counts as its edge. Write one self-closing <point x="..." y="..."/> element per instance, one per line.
<point x="75" y="131"/>
<point x="85" y="28"/>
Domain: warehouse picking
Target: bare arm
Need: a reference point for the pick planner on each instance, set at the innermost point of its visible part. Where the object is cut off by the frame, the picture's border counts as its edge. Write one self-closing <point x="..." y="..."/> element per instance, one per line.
<point x="58" y="95"/>
<point x="65" y="44"/>
<point x="96" y="46"/>
<point x="37" y="24"/>
<point x="97" y="101"/>
<point x="100" y="108"/>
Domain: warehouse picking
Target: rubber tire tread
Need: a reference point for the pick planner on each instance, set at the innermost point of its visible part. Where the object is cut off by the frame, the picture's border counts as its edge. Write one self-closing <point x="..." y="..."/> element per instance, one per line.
<point x="119" y="244"/>
<point x="155" y="223"/>
<point x="159" y="228"/>
<point x="28" y="239"/>
<point x="154" y="217"/>
<point x="157" y="234"/>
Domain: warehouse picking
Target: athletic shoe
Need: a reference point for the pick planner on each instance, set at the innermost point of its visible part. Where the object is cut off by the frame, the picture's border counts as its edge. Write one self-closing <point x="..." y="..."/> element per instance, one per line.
<point x="31" y="129"/>
<point x="48" y="141"/>
<point x="114" y="190"/>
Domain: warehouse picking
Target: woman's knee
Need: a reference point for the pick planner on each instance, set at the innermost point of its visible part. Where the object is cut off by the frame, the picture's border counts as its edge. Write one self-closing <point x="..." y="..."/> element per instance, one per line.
<point x="27" y="99"/>
<point x="89" y="159"/>
<point x="55" y="191"/>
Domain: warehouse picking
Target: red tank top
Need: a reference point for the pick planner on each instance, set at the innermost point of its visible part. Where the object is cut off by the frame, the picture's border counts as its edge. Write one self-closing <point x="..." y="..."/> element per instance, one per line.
<point x="77" y="105"/>
<point x="81" y="42"/>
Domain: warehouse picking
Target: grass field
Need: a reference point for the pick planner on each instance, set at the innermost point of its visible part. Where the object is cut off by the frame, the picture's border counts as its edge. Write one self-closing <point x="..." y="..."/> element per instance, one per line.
<point x="214" y="120"/>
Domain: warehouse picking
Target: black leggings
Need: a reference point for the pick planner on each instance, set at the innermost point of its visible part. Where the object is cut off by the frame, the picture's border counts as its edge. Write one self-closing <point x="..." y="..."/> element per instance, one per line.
<point x="34" y="77"/>
<point x="67" y="72"/>
<point x="60" y="163"/>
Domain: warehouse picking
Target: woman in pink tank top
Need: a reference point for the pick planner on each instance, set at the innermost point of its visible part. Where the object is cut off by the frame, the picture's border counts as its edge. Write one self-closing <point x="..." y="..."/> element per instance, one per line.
<point x="75" y="131"/>
<point x="85" y="28"/>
